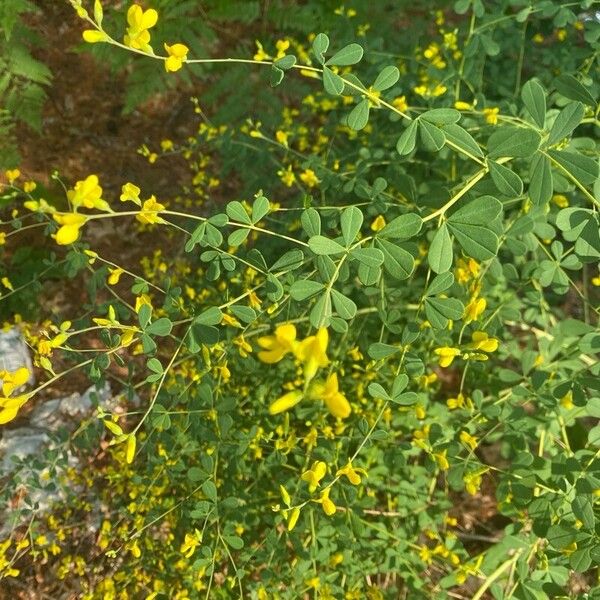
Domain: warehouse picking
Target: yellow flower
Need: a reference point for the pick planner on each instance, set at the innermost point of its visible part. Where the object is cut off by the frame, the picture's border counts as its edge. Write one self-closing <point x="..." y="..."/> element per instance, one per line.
<point x="87" y="193"/>
<point x="400" y="103"/>
<point x="314" y="475"/>
<point x="474" y="309"/>
<point x="469" y="440"/>
<point x="149" y="212"/>
<point x="12" y="175"/>
<point x="441" y="460"/>
<point x="177" y="56"/>
<point x="481" y="341"/>
<point x="281" y="46"/>
<point x="139" y="22"/>
<point x="9" y="407"/>
<point x="351" y="473"/>
<point x="29" y="186"/>
<point x="13" y="380"/>
<point x="460" y="105"/>
<point x="329" y="508"/>
<point x="459" y="402"/>
<point x="287" y="176"/>
<point x="93" y="36"/>
<point x="260" y="53"/>
<point x="560" y="200"/>
<point x="378" y="223"/>
<point x="130" y="192"/>
<point x="491" y="115"/>
<point x="281" y="137"/>
<point x="309" y="178"/>
<point x="538" y="38"/>
<point x="278" y="345"/>
<point x="70" y="223"/>
<point x="312" y="351"/>
<point x="190" y="543"/>
<point x="115" y="275"/>
<point x="285" y="402"/>
<point x="130" y="448"/>
<point x="446" y="355"/>
<point x="293" y="518"/>
<point x="473" y="481"/>
<point x="567" y="400"/>
<point x="7" y="284"/>
<point x="335" y="401"/>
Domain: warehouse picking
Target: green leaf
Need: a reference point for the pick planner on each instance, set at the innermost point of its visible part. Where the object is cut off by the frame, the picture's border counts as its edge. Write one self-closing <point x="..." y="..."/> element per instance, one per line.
<point x="534" y="98"/>
<point x="209" y="489"/>
<point x="276" y="76"/>
<point x="302" y="289"/>
<point x="311" y="222"/>
<point x="397" y="261"/>
<point x="476" y="240"/>
<point x="359" y="115"/>
<point x="233" y="541"/>
<point x="432" y="137"/>
<point x="583" y="509"/>
<point x="378" y="350"/>
<point x="407" y="141"/>
<point x="319" y="46"/>
<point x="462" y="138"/>
<point x="344" y="307"/>
<point x="378" y="392"/>
<point x="475" y="226"/>
<point x="351" y="221"/>
<point x="440" y="254"/>
<point x="406" y="399"/>
<point x="320" y="315"/>
<point x="399" y="385"/>
<point x="236" y="211"/>
<point x="348" y="55"/>
<point x="243" y="313"/>
<point x="506" y="180"/>
<point x="583" y="168"/>
<point x="441" y="116"/>
<point x="238" y="237"/>
<point x="440" y="284"/>
<point x="403" y="227"/>
<point x="370" y="257"/>
<point x="144" y="315"/>
<point x="211" y="316"/>
<point x="196" y="237"/>
<point x="566" y="121"/>
<point x="570" y="88"/>
<point x="581" y="560"/>
<point x="513" y="141"/>
<point x="481" y="211"/>
<point x="260" y="208"/>
<point x="161" y="327"/>
<point x="285" y="62"/>
<point x="386" y="78"/>
<point x="156" y="367"/>
<point x="541" y="184"/>
<point x="324" y="246"/>
<point x="290" y="261"/>
<point x="332" y="82"/>
<point x="440" y="310"/>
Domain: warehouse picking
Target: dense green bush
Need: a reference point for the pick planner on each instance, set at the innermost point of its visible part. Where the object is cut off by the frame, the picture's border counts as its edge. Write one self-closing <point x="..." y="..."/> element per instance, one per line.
<point x="373" y="370"/>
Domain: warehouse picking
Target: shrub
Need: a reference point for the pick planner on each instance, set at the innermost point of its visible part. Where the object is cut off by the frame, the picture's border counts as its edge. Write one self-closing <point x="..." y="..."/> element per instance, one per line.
<point x="372" y="371"/>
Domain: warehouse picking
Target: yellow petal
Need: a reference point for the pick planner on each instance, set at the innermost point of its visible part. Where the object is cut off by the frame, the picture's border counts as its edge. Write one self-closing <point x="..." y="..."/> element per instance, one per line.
<point x="286" y="402"/>
<point x="93" y="36"/>
<point x="130" y="450"/>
